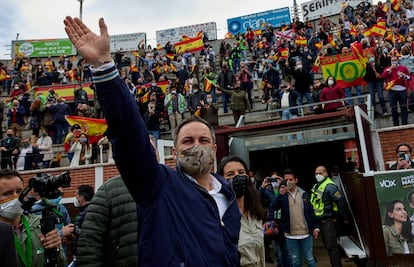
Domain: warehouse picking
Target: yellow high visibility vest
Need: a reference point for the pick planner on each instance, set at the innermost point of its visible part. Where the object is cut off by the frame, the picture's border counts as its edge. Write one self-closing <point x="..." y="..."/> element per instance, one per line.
<point x="316" y="198"/>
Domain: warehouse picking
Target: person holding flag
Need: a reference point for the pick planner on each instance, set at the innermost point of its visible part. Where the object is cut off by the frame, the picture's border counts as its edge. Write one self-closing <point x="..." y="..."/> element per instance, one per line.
<point x="396" y="77"/>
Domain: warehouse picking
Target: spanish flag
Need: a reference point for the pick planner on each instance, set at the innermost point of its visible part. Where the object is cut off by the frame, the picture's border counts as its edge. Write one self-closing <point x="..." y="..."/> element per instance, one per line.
<point x="94" y="128"/>
<point x="170" y="56"/>
<point x="159" y="47"/>
<point x="208" y="84"/>
<point x="301" y="41"/>
<point x="331" y="41"/>
<point x="190" y="45"/>
<point x="228" y="35"/>
<point x="284" y="53"/>
<point x="3" y="75"/>
<point x="165" y="68"/>
<point x="135" y="53"/>
<point x="385" y="8"/>
<point x="145" y="98"/>
<point x="396" y="5"/>
<point x="319" y="45"/>
<point x="197" y="113"/>
<point x="382" y="22"/>
<point x="257" y="32"/>
<point x="173" y="68"/>
<point x="389" y="85"/>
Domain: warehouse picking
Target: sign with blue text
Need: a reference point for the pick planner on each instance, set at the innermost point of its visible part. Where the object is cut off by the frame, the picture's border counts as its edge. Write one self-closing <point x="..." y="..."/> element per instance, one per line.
<point x="256" y="21"/>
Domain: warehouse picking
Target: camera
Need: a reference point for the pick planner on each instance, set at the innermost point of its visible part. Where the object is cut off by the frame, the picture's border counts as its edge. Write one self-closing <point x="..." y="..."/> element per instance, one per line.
<point x="283" y="183"/>
<point x="272" y="180"/>
<point x="47" y="185"/>
<point x="403" y="156"/>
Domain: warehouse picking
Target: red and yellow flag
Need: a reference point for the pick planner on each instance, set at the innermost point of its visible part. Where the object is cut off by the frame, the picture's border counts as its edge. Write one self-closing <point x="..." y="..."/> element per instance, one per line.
<point x="159" y="47"/>
<point x="302" y="41"/>
<point x="190" y="45"/>
<point x="170" y="56"/>
<point x="319" y="45"/>
<point x="396" y="5"/>
<point x="389" y="85"/>
<point x="208" y="84"/>
<point x="94" y="128"/>
<point x="284" y="52"/>
<point x="3" y="75"/>
<point x="385" y="8"/>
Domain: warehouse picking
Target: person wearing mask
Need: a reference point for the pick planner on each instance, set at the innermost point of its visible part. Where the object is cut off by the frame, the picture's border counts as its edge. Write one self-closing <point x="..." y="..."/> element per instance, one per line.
<point x="9" y="147"/>
<point x="329" y="205"/>
<point x="331" y="92"/>
<point x="250" y="245"/>
<point x="84" y="195"/>
<point x="404" y="161"/>
<point x="45" y="145"/>
<point x="175" y="104"/>
<point x="396" y="77"/>
<point x="298" y="221"/>
<point x="375" y="84"/>
<point x="239" y="102"/>
<point x="27" y="233"/>
<point x="316" y="91"/>
<point x="269" y="190"/>
<point x="16" y="115"/>
<point x="225" y="78"/>
<point x="209" y="111"/>
<point x="82" y="151"/>
<point x="303" y="82"/>
<point x="195" y="99"/>
<point x="204" y="217"/>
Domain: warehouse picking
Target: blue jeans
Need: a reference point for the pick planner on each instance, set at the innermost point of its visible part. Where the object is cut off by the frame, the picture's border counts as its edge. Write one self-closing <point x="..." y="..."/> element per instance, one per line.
<point x="286" y="115"/>
<point x="377" y="87"/>
<point x="308" y="100"/>
<point x="299" y="247"/>
<point x="236" y="65"/>
<point x="395" y="98"/>
<point x="348" y="93"/>
<point x="61" y="127"/>
<point x="281" y="251"/>
<point x="225" y="100"/>
<point x="156" y="134"/>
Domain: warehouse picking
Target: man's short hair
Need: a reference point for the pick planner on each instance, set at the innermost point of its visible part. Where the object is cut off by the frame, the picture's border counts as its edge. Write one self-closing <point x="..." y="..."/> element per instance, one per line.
<point x="289" y="171"/>
<point x="193" y="119"/>
<point x="86" y="191"/>
<point x="403" y="144"/>
<point x="9" y="174"/>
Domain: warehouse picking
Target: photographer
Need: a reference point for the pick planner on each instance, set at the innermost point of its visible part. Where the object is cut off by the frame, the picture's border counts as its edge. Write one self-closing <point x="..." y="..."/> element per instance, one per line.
<point x="83" y="196"/>
<point x="27" y="230"/>
<point x="404" y="161"/>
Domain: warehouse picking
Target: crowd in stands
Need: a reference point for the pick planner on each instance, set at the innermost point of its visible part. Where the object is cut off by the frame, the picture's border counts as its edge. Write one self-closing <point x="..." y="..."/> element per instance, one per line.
<point x="166" y="83"/>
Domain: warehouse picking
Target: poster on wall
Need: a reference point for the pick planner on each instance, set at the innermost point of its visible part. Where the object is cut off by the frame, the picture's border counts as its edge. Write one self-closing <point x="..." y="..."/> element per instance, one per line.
<point x="395" y="194"/>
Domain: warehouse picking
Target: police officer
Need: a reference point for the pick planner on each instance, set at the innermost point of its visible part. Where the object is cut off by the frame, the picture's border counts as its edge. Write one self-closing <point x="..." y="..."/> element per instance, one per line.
<point x="328" y="202"/>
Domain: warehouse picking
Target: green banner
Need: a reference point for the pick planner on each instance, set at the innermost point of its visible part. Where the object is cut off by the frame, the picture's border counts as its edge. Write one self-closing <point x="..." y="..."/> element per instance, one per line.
<point x="44" y="48"/>
<point x="393" y="191"/>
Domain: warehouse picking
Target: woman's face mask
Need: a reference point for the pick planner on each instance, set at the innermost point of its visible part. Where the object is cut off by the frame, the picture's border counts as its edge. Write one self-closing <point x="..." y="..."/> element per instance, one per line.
<point x="196" y="160"/>
<point x="239" y="184"/>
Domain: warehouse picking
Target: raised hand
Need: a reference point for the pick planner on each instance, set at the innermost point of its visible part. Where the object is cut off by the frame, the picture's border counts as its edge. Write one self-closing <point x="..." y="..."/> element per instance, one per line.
<point x="93" y="48"/>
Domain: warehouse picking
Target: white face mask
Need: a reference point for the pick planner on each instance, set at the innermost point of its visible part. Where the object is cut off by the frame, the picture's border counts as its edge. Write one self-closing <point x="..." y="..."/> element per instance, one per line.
<point x="209" y="100"/>
<point x="252" y="180"/>
<point x="319" y="178"/>
<point x="11" y="209"/>
<point x="275" y="184"/>
<point x="196" y="160"/>
<point x="330" y="82"/>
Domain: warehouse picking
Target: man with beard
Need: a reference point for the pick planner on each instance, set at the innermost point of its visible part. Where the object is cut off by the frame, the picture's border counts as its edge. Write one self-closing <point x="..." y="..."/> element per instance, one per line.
<point x="200" y="207"/>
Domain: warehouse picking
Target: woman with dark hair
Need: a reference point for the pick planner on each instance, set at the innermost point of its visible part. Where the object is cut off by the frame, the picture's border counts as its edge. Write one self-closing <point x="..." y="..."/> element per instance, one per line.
<point x="397" y="229"/>
<point x="251" y="245"/>
<point x="331" y="92"/>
